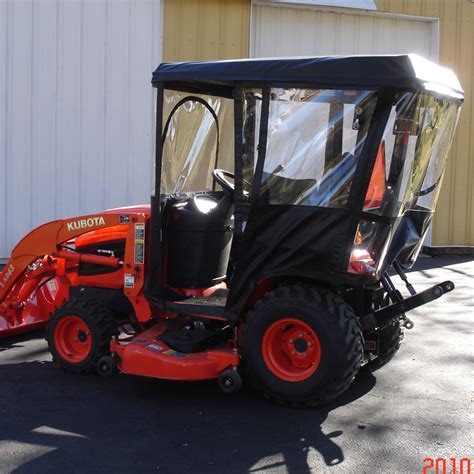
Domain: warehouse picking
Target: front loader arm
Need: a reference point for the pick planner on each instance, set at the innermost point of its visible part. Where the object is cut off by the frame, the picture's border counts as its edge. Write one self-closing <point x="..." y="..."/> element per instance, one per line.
<point x="41" y="256"/>
<point x="44" y="240"/>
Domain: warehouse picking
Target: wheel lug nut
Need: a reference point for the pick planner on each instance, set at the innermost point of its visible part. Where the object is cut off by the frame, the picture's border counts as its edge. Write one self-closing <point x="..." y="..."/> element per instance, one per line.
<point x="300" y="335"/>
<point x="290" y="341"/>
<point x="304" y="354"/>
<point x="293" y="353"/>
<point x="309" y="344"/>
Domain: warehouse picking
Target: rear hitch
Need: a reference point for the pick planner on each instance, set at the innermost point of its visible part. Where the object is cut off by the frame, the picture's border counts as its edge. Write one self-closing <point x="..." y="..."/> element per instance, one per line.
<point x="381" y="317"/>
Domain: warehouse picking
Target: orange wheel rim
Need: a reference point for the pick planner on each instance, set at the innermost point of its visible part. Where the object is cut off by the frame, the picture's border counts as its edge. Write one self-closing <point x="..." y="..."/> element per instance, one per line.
<point x="72" y="339"/>
<point x="291" y="350"/>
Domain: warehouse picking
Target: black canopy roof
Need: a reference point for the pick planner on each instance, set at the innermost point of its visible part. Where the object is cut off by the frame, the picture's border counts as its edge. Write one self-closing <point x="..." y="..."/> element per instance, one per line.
<point x="404" y="71"/>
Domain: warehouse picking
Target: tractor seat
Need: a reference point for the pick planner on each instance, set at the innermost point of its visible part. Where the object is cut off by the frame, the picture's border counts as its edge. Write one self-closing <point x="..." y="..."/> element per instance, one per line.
<point x="197" y="241"/>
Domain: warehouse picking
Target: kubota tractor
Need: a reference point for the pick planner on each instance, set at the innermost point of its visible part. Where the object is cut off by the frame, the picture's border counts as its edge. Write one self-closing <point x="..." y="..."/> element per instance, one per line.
<point x="286" y="190"/>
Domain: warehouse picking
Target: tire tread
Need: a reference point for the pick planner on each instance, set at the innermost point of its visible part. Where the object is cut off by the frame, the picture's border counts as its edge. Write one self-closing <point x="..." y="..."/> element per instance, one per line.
<point x="346" y="322"/>
<point x="104" y="320"/>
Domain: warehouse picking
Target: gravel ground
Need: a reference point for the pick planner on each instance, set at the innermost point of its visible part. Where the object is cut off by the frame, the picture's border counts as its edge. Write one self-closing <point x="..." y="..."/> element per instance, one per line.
<point x="418" y="406"/>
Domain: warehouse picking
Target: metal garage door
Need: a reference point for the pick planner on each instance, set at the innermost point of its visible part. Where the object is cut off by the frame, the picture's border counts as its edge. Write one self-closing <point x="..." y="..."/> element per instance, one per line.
<point x="76" y="108"/>
<point x="303" y="31"/>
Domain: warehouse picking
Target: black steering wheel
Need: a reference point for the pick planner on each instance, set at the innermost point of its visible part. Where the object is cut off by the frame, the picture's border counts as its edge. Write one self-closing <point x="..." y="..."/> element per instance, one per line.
<point x="220" y="177"/>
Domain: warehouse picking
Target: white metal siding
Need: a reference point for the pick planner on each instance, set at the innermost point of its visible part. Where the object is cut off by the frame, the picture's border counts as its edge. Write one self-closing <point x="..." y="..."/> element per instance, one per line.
<point x="304" y="31"/>
<point x="76" y="108"/>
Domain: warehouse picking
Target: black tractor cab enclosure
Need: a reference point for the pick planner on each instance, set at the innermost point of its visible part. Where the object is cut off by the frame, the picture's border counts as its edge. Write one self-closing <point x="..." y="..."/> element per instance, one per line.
<point x="287" y="189"/>
<point x="338" y="163"/>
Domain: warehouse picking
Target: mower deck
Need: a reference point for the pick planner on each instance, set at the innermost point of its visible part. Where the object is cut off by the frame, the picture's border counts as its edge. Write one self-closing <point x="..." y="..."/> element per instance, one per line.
<point x="146" y="355"/>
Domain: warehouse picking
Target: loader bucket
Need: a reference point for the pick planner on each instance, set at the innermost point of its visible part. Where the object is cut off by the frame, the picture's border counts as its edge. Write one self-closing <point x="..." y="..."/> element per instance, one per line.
<point x="30" y="314"/>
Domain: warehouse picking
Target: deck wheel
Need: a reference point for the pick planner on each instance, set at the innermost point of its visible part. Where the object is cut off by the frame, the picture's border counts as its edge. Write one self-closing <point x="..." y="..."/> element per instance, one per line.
<point x="229" y="381"/>
<point x="107" y="366"/>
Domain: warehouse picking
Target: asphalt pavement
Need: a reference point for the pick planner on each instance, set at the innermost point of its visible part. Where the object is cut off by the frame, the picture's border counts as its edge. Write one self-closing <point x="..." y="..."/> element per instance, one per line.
<point x="417" y="407"/>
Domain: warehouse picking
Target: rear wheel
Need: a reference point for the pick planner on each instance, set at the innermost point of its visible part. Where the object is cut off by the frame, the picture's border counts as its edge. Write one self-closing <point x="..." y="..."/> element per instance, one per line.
<point x="79" y="334"/>
<point x="302" y="345"/>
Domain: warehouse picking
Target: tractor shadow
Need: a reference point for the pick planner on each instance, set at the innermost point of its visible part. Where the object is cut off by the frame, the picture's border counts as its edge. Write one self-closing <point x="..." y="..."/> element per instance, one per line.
<point x="19" y="340"/>
<point x="59" y="422"/>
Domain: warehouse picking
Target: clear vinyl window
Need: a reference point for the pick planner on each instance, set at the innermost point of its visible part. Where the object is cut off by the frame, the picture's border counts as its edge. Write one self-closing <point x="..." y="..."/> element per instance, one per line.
<point x="412" y="155"/>
<point x="315" y="138"/>
<point x="190" y="146"/>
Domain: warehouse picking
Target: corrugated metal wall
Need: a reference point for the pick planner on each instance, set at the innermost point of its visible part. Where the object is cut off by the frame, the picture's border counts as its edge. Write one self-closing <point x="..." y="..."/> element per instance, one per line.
<point x="76" y="108"/>
<point x="454" y="221"/>
<point x="297" y="31"/>
<point x="205" y="29"/>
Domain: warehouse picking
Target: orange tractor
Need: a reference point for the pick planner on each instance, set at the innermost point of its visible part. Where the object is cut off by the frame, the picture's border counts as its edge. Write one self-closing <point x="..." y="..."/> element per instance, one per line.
<point x="329" y="170"/>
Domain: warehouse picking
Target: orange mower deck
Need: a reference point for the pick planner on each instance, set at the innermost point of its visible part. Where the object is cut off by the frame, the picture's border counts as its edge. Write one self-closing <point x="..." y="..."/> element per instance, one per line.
<point x="147" y="356"/>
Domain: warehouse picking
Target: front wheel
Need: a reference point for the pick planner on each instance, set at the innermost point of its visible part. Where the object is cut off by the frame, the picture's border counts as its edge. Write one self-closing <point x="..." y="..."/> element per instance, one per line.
<point x="79" y="334"/>
<point x="302" y="345"/>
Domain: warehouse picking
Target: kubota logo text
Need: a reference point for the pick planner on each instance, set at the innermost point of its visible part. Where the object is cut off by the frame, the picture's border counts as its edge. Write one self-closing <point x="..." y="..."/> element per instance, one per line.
<point x="9" y="273"/>
<point x="84" y="223"/>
